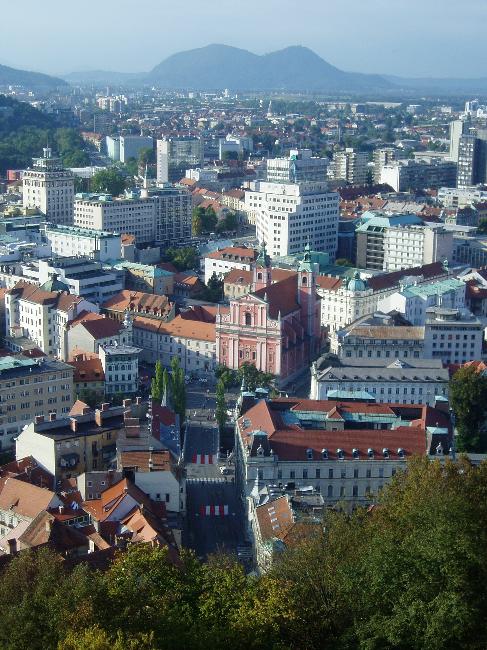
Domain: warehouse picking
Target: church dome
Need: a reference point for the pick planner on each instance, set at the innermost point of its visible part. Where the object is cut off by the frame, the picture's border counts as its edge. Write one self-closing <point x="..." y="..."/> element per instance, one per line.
<point x="54" y="284"/>
<point x="356" y="284"/>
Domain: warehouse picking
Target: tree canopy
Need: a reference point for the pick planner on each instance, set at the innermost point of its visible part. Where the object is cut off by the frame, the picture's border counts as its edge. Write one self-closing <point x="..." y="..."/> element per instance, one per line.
<point x="468" y="398"/>
<point x="408" y="573"/>
<point x="204" y="220"/>
<point x="108" y="180"/>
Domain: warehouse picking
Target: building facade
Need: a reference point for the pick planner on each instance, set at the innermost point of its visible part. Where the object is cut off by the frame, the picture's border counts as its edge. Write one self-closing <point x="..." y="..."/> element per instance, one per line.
<point x="175" y="155"/>
<point x="292" y="216"/>
<point x="50" y="188"/>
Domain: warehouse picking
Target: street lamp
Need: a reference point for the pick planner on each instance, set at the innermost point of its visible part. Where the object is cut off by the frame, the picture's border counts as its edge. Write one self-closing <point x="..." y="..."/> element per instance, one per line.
<point x="453" y="443"/>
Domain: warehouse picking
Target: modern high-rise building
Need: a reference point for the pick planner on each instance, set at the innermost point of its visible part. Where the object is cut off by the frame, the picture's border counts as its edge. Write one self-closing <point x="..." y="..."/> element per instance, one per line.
<point x="472" y="159"/>
<point x="382" y="157"/>
<point x="127" y="146"/>
<point x="413" y="175"/>
<point x="457" y="129"/>
<point x="300" y="166"/>
<point x="350" y="165"/>
<point x="290" y="216"/>
<point x="49" y="187"/>
<point x="173" y="211"/>
<point x="175" y="155"/>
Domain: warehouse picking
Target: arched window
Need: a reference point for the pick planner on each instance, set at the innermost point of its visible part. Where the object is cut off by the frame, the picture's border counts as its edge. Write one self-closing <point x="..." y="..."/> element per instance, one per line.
<point x="248" y="318"/>
<point x="304" y="280"/>
<point x="259" y="276"/>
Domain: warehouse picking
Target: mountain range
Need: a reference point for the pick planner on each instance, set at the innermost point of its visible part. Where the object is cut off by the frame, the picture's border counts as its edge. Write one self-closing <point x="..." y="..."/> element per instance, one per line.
<point x="34" y="80"/>
<point x="293" y="69"/>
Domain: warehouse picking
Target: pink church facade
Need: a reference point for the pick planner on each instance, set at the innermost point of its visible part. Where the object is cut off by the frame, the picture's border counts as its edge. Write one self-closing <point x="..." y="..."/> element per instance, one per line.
<point x="276" y="326"/>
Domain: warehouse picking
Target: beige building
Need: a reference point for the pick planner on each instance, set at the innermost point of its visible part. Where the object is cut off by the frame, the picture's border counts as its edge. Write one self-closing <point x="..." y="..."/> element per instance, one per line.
<point x="30" y="388"/>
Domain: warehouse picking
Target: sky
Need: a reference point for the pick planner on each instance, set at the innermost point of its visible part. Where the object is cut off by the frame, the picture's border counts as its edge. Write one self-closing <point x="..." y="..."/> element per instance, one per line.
<point x="420" y="38"/>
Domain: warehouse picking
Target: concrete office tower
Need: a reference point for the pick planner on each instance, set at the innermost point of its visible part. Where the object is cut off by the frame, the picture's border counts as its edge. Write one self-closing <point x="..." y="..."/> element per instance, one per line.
<point x="300" y="166"/>
<point x="457" y="129"/>
<point x="382" y="157"/>
<point x="472" y="159"/>
<point x="175" y="155"/>
<point x="49" y="187"/>
<point x="127" y="146"/>
<point x="350" y="165"/>
<point x="290" y="216"/>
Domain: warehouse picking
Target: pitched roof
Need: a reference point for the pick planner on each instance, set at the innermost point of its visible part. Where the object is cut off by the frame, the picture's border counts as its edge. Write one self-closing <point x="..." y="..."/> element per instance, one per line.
<point x="329" y="283"/>
<point x="274" y="517"/>
<point x="386" y="280"/>
<point x="101" y="509"/>
<point x="280" y="296"/>
<point x="147" y="461"/>
<point x="101" y="327"/>
<point x="137" y="301"/>
<point x="179" y="327"/>
<point x="234" y="254"/>
<point x="23" y="498"/>
<point x="87" y="370"/>
<point x="238" y="276"/>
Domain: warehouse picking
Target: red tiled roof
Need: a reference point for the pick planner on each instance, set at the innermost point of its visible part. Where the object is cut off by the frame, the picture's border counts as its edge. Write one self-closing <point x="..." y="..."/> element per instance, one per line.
<point x="281" y="296"/>
<point x="387" y="280"/>
<point x="274" y="517"/>
<point x="238" y="276"/>
<point x="234" y="253"/>
<point x="101" y="327"/>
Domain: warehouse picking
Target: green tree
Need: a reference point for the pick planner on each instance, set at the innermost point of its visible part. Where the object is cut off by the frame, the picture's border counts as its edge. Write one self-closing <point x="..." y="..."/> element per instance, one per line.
<point x="108" y="180"/>
<point x="178" y="389"/>
<point x="157" y="384"/>
<point x="214" y="289"/>
<point x="482" y="227"/>
<point x="468" y="398"/>
<point x="196" y="223"/>
<point x="132" y="167"/>
<point x="221" y="405"/>
<point x="183" y="258"/>
<point x="343" y="261"/>
<point x="204" y="220"/>
<point x="253" y="377"/>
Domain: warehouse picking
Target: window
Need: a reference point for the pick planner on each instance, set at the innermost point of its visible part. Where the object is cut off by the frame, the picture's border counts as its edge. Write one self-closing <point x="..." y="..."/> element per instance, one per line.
<point x="248" y="318"/>
<point x="292" y="474"/>
<point x="317" y="474"/>
<point x="330" y="473"/>
<point x="355" y="491"/>
<point x="305" y="473"/>
<point x="355" y="473"/>
<point x="168" y="497"/>
<point x="330" y="491"/>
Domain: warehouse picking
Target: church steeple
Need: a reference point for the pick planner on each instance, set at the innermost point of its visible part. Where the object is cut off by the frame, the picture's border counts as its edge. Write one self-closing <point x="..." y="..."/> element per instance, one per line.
<point x="261" y="271"/>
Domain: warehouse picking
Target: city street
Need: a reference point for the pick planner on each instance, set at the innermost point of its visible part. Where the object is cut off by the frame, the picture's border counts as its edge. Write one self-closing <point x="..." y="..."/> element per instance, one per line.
<point x="214" y="516"/>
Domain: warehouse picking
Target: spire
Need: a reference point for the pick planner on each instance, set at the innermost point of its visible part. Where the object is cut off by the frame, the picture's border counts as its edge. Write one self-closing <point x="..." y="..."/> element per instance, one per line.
<point x="263" y="259"/>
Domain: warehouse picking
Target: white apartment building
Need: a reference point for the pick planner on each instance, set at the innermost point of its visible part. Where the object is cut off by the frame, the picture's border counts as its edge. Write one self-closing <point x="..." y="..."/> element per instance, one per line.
<point x="124" y="147"/>
<point x="50" y="188"/>
<point x="293" y="216"/>
<point x="226" y="259"/>
<point x="453" y="335"/>
<point x="461" y="197"/>
<point x="70" y="241"/>
<point x="343" y="302"/>
<point x="391" y="242"/>
<point x="121" y="367"/>
<point x="350" y="165"/>
<point x="300" y="166"/>
<point x="175" y="155"/>
<point x="407" y="175"/>
<point x="413" y="300"/>
<point x="42" y="316"/>
<point x="130" y="214"/>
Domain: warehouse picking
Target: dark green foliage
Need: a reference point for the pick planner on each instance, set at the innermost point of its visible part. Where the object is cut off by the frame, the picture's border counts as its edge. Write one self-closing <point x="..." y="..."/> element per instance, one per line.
<point x="409" y="574"/>
<point x="468" y="398"/>
<point x="214" y="290"/>
<point x="183" y="258"/>
<point x="108" y="180"/>
<point x="204" y="221"/>
<point x="228" y="223"/>
<point x="25" y="131"/>
<point x="254" y="378"/>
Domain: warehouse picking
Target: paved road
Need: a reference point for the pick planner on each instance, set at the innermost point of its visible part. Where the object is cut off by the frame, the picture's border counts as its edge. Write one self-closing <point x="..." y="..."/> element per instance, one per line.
<point x="214" y="517"/>
<point x="201" y="439"/>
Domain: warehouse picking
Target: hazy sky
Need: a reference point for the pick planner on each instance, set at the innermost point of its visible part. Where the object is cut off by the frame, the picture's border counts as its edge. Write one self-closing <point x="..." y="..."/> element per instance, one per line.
<point x="406" y="37"/>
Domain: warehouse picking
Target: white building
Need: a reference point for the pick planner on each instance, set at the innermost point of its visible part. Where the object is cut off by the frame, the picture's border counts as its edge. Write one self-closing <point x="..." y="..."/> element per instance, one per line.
<point x="130" y="214"/>
<point x="397" y="381"/>
<point x="413" y="300"/>
<point x="344" y="301"/>
<point x="42" y="316"/>
<point x="350" y="165"/>
<point x="224" y="260"/>
<point x="456" y="197"/>
<point x="175" y="155"/>
<point x="121" y="367"/>
<point x="300" y="166"/>
<point x="124" y="147"/>
<point x="241" y="145"/>
<point x="453" y="335"/>
<point x="70" y="241"/>
<point x="346" y="451"/>
<point x="50" y="188"/>
<point x="407" y="175"/>
<point x="193" y="342"/>
<point x="292" y="216"/>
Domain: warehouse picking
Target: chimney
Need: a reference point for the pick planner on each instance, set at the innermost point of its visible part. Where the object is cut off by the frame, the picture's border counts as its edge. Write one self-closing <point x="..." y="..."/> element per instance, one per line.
<point x="99" y="417"/>
<point x="61" y="509"/>
<point x="48" y="525"/>
<point x="52" y="417"/>
<point x="39" y="419"/>
<point x="86" y="410"/>
<point x="105" y="406"/>
<point x="138" y="401"/>
<point x="12" y="546"/>
<point x="74" y="424"/>
<point x="126" y="403"/>
<point x="110" y="476"/>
